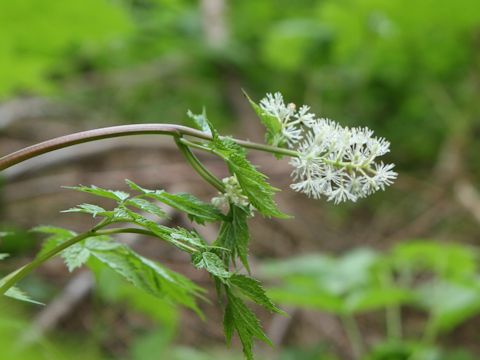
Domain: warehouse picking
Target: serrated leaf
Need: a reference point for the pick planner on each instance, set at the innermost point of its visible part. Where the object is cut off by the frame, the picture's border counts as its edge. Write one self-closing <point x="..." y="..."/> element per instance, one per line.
<point x="201" y="120"/>
<point x="239" y="317"/>
<point x="116" y="195"/>
<point x="234" y="235"/>
<point x="91" y="209"/>
<point x="176" y="236"/>
<point x="196" y="209"/>
<point x="57" y="236"/>
<point x="101" y="243"/>
<point x="147" y="206"/>
<point x="53" y="230"/>
<point x="120" y="214"/>
<point x="271" y="123"/>
<point x="252" y="288"/>
<point x="75" y="256"/>
<point x="228" y="324"/>
<point x="150" y="276"/>
<point x="212" y="263"/>
<point x="78" y="254"/>
<point x="17" y="294"/>
<point x="253" y="183"/>
<point x="188" y="237"/>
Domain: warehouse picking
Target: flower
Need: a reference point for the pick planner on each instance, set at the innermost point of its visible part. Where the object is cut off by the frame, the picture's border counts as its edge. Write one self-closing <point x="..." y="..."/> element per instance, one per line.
<point x="336" y="162"/>
<point x="288" y="117"/>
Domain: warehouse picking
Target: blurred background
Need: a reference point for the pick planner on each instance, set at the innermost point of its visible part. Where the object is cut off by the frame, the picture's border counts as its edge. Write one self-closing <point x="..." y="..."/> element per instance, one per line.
<point x="395" y="276"/>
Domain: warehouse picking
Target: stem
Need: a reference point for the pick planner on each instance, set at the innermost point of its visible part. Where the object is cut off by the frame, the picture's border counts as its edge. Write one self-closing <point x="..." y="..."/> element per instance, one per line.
<point x="394" y="322"/>
<point x="353" y="334"/>
<point x="393" y="317"/>
<point x="198" y="166"/>
<point x="123" y="130"/>
<point x="198" y="145"/>
<point x="19" y="274"/>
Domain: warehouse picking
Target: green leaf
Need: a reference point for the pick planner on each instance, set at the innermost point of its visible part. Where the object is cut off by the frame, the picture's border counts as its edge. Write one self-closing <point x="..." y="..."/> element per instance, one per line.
<point x="239" y="317"/>
<point x="118" y="196"/>
<point x="75" y="256"/>
<point x="228" y="324"/>
<point x="120" y="214"/>
<point x="369" y="299"/>
<point x="188" y="237"/>
<point x="78" y="254"/>
<point x="201" y="120"/>
<point x="307" y="296"/>
<point x="449" y="303"/>
<point x="53" y="230"/>
<point x="253" y="289"/>
<point x="176" y="236"/>
<point x="150" y="276"/>
<point x="57" y="236"/>
<point x="271" y="123"/>
<point x="91" y="209"/>
<point x="234" y="235"/>
<point x="17" y="294"/>
<point x="253" y="183"/>
<point x="446" y="259"/>
<point x="147" y="206"/>
<point x="314" y="265"/>
<point x="212" y="263"/>
<point x="196" y="209"/>
<point x="101" y="243"/>
<point x="3" y="256"/>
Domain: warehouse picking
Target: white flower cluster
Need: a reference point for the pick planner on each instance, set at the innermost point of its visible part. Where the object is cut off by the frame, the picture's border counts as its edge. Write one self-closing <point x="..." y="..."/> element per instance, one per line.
<point x="334" y="161"/>
<point x="233" y="194"/>
<point x="290" y="119"/>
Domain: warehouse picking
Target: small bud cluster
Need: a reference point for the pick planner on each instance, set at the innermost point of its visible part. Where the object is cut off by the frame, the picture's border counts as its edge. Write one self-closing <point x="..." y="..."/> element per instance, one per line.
<point x="233" y="194"/>
<point x="334" y="161"/>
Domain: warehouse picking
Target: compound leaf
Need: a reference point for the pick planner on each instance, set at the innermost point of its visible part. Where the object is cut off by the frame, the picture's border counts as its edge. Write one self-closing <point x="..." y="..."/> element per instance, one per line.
<point x="17" y="294"/>
<point x="195" y="208"/>
<point x="150" y="276"/>
<point x="271" y="123"/>
<point x="147" y="206"/>
<point x="239" y="317"/>
<point x="91" y="209"/>
<point x="253" y="183"/>
<point x="252" y="288"/>
<point x="234" y="235"/>
<point x="212" y="263"/>
<point x="116" y="195"/>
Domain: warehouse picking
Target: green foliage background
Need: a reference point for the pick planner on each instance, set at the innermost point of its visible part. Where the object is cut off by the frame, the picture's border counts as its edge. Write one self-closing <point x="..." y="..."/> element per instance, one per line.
<point x="409" y="69"/>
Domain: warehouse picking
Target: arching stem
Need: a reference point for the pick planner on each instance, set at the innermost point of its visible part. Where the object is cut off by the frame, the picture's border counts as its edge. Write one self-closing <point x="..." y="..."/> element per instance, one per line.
<point x="124" y="130"/>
